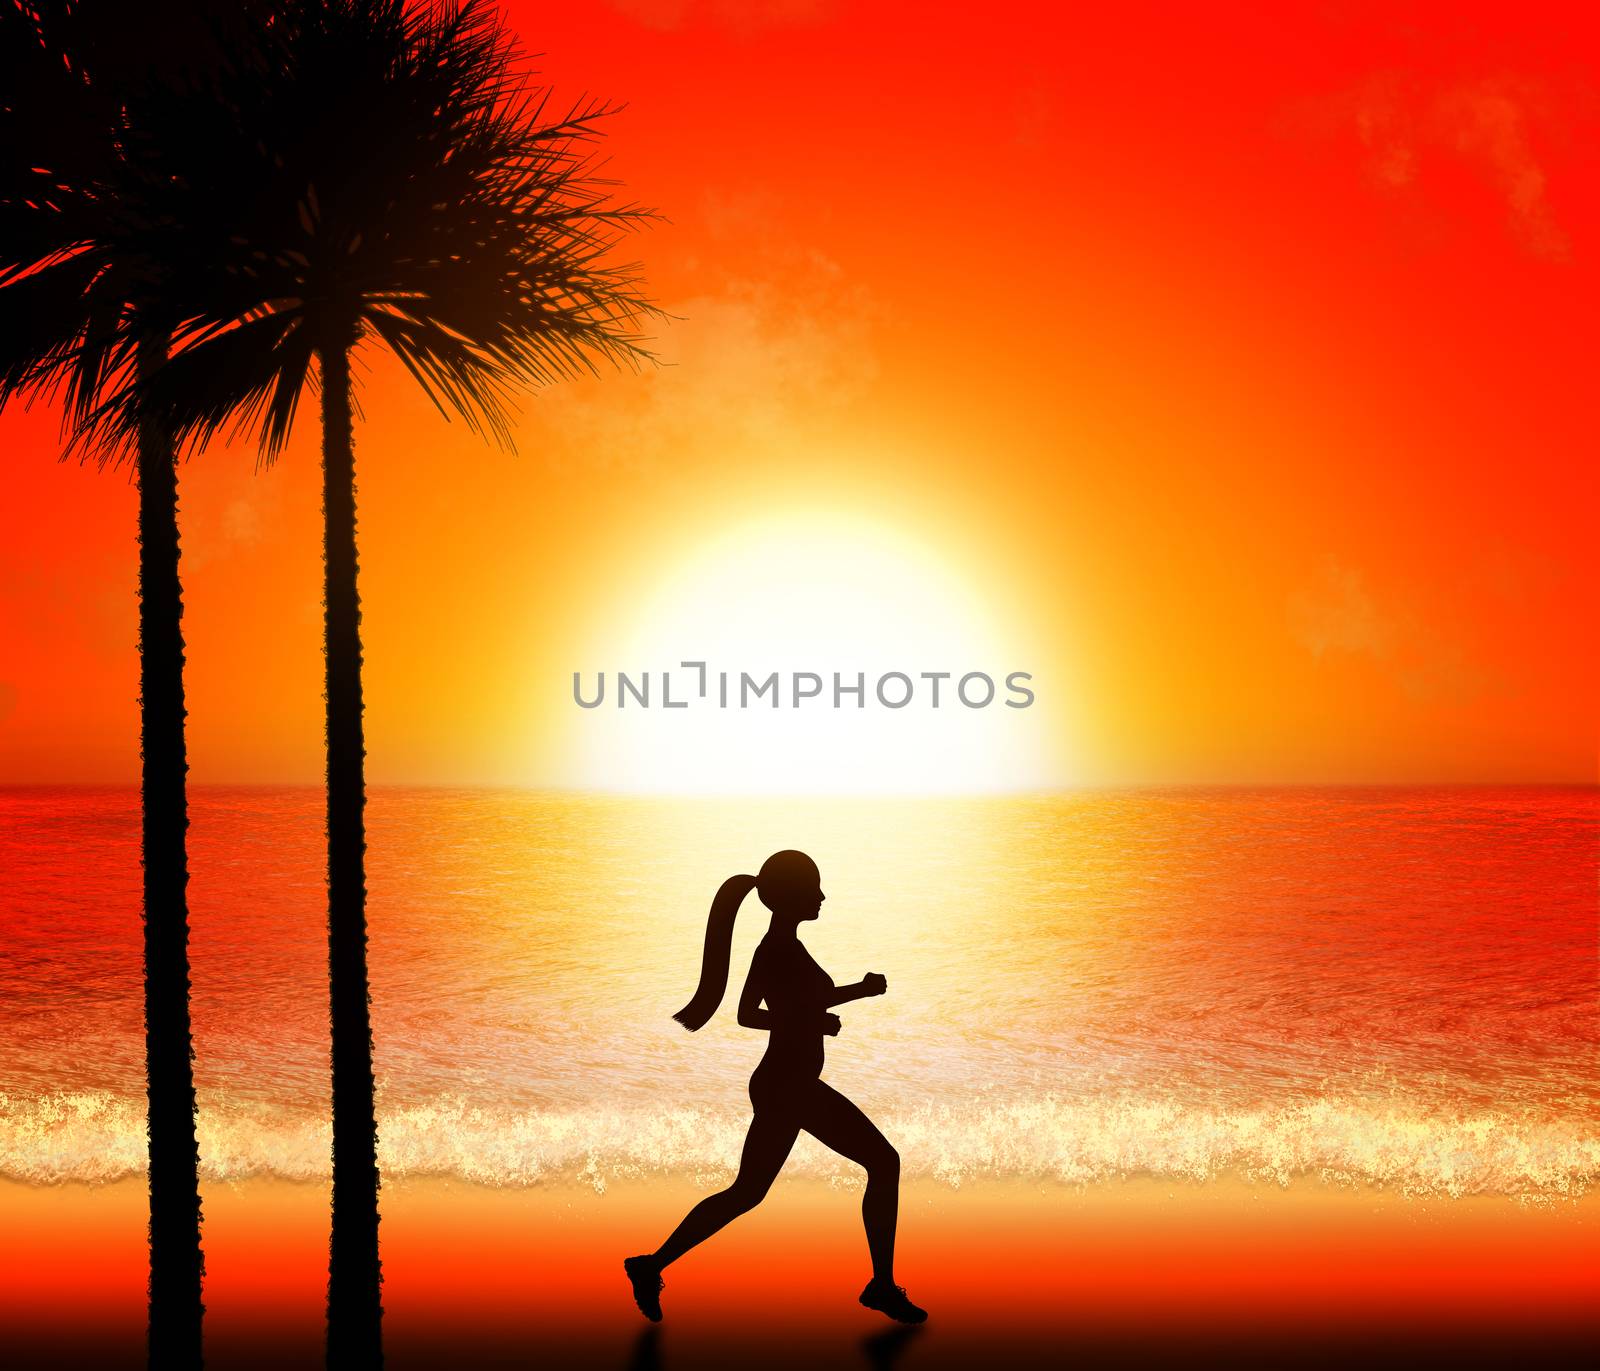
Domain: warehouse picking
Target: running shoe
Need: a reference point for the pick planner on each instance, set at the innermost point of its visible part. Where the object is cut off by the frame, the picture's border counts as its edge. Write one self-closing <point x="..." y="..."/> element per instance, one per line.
<point x="890" y="1299"/>
<point x="648" y="1285"/>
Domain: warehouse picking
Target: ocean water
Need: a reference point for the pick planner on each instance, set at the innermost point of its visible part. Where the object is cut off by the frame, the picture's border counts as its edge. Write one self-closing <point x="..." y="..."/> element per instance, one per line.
<point x="1391" y="987"/>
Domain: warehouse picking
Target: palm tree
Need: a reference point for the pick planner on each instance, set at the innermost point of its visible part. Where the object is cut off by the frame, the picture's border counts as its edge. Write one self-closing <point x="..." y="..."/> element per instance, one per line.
<point x="87" y="280"/>
<point x="404" y="188"/>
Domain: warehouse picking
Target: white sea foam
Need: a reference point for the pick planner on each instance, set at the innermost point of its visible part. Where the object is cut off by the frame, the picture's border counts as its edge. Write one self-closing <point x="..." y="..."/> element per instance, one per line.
<point x="92" y="1137"/>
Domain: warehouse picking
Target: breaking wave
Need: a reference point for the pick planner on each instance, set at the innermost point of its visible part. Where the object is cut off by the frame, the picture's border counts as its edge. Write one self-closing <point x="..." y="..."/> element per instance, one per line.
<point x="95" y="1137"/>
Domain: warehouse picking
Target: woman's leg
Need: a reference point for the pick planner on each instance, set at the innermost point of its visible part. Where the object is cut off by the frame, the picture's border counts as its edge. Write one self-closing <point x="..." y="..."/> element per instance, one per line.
<point x="833" y="1121"/>
<point x="766" y="1148"/>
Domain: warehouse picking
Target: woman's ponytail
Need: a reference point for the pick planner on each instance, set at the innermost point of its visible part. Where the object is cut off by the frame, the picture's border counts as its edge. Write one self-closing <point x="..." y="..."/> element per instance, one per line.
<point x="719" y="947"/>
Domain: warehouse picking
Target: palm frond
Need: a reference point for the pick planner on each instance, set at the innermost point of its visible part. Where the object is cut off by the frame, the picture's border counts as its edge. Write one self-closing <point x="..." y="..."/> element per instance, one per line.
<point x="245" y="379"/>
<point x="42" y="323"/>
<point x="341" y="169"/>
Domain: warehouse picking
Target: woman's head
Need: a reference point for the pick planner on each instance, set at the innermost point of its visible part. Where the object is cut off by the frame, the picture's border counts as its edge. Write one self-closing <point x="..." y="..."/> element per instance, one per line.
<point x="789" y="883"/>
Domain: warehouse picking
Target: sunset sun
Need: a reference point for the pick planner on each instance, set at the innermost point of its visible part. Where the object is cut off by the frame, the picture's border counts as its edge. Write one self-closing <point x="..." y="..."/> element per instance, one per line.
<point x="895" y="671"/>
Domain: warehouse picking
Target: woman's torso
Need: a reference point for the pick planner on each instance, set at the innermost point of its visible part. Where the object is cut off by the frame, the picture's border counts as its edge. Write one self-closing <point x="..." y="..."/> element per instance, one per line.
<point x="796" y="991"/>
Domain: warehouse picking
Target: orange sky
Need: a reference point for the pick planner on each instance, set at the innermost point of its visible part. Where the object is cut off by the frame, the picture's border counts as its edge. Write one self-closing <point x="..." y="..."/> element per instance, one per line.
<point x="1243" y="365"/>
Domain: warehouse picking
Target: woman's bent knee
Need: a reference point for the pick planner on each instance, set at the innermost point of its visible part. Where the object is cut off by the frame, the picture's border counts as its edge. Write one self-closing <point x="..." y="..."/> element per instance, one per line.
<point x="884" y="1166"/>
<point x="743" y="1198"/>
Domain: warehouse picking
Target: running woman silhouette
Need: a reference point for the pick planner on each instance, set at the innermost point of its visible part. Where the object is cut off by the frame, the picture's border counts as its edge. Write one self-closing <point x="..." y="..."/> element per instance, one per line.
<point x="786" y="1089"/>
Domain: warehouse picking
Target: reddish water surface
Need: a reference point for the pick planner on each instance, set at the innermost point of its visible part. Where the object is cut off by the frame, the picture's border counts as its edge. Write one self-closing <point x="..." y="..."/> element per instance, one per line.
<point x="1386" y="985"/>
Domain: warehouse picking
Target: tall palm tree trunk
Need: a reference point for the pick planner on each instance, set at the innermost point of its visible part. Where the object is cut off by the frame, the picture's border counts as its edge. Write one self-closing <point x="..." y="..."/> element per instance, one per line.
<point x="355" y="1310"/>
<point x="176" y="1263"/>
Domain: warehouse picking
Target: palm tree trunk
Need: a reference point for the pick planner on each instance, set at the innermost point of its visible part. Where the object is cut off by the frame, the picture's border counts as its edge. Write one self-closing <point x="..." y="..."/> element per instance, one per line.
<point x="176" y="1263"/>
<point x="355" y="1310"/>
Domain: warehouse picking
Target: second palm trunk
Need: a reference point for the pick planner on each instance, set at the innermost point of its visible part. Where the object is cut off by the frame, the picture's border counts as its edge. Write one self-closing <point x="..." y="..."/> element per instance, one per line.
<point x="355" y="1309"/>
<point x="176" y="1264"/>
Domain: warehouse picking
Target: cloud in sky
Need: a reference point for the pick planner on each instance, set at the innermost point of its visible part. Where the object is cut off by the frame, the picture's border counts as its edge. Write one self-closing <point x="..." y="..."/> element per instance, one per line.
<point x="1337" y="614"/>
<point x="1489" y="124"/>
<point x="228" y="506"/>
<point x="748" y="366"/>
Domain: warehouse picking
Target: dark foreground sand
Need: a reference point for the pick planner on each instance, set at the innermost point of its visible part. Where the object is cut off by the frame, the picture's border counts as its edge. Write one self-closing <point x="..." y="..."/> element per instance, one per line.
<point x="1141" y="1273"/>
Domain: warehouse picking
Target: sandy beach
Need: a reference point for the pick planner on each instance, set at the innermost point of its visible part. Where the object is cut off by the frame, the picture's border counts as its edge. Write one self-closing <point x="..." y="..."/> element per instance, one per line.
<point x="1134" y="1273"/>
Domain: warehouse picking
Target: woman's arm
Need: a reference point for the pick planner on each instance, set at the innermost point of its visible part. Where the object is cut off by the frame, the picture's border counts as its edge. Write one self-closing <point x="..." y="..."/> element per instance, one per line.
<point x="870" y="984"/>
<point x="751" y="1014"/>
